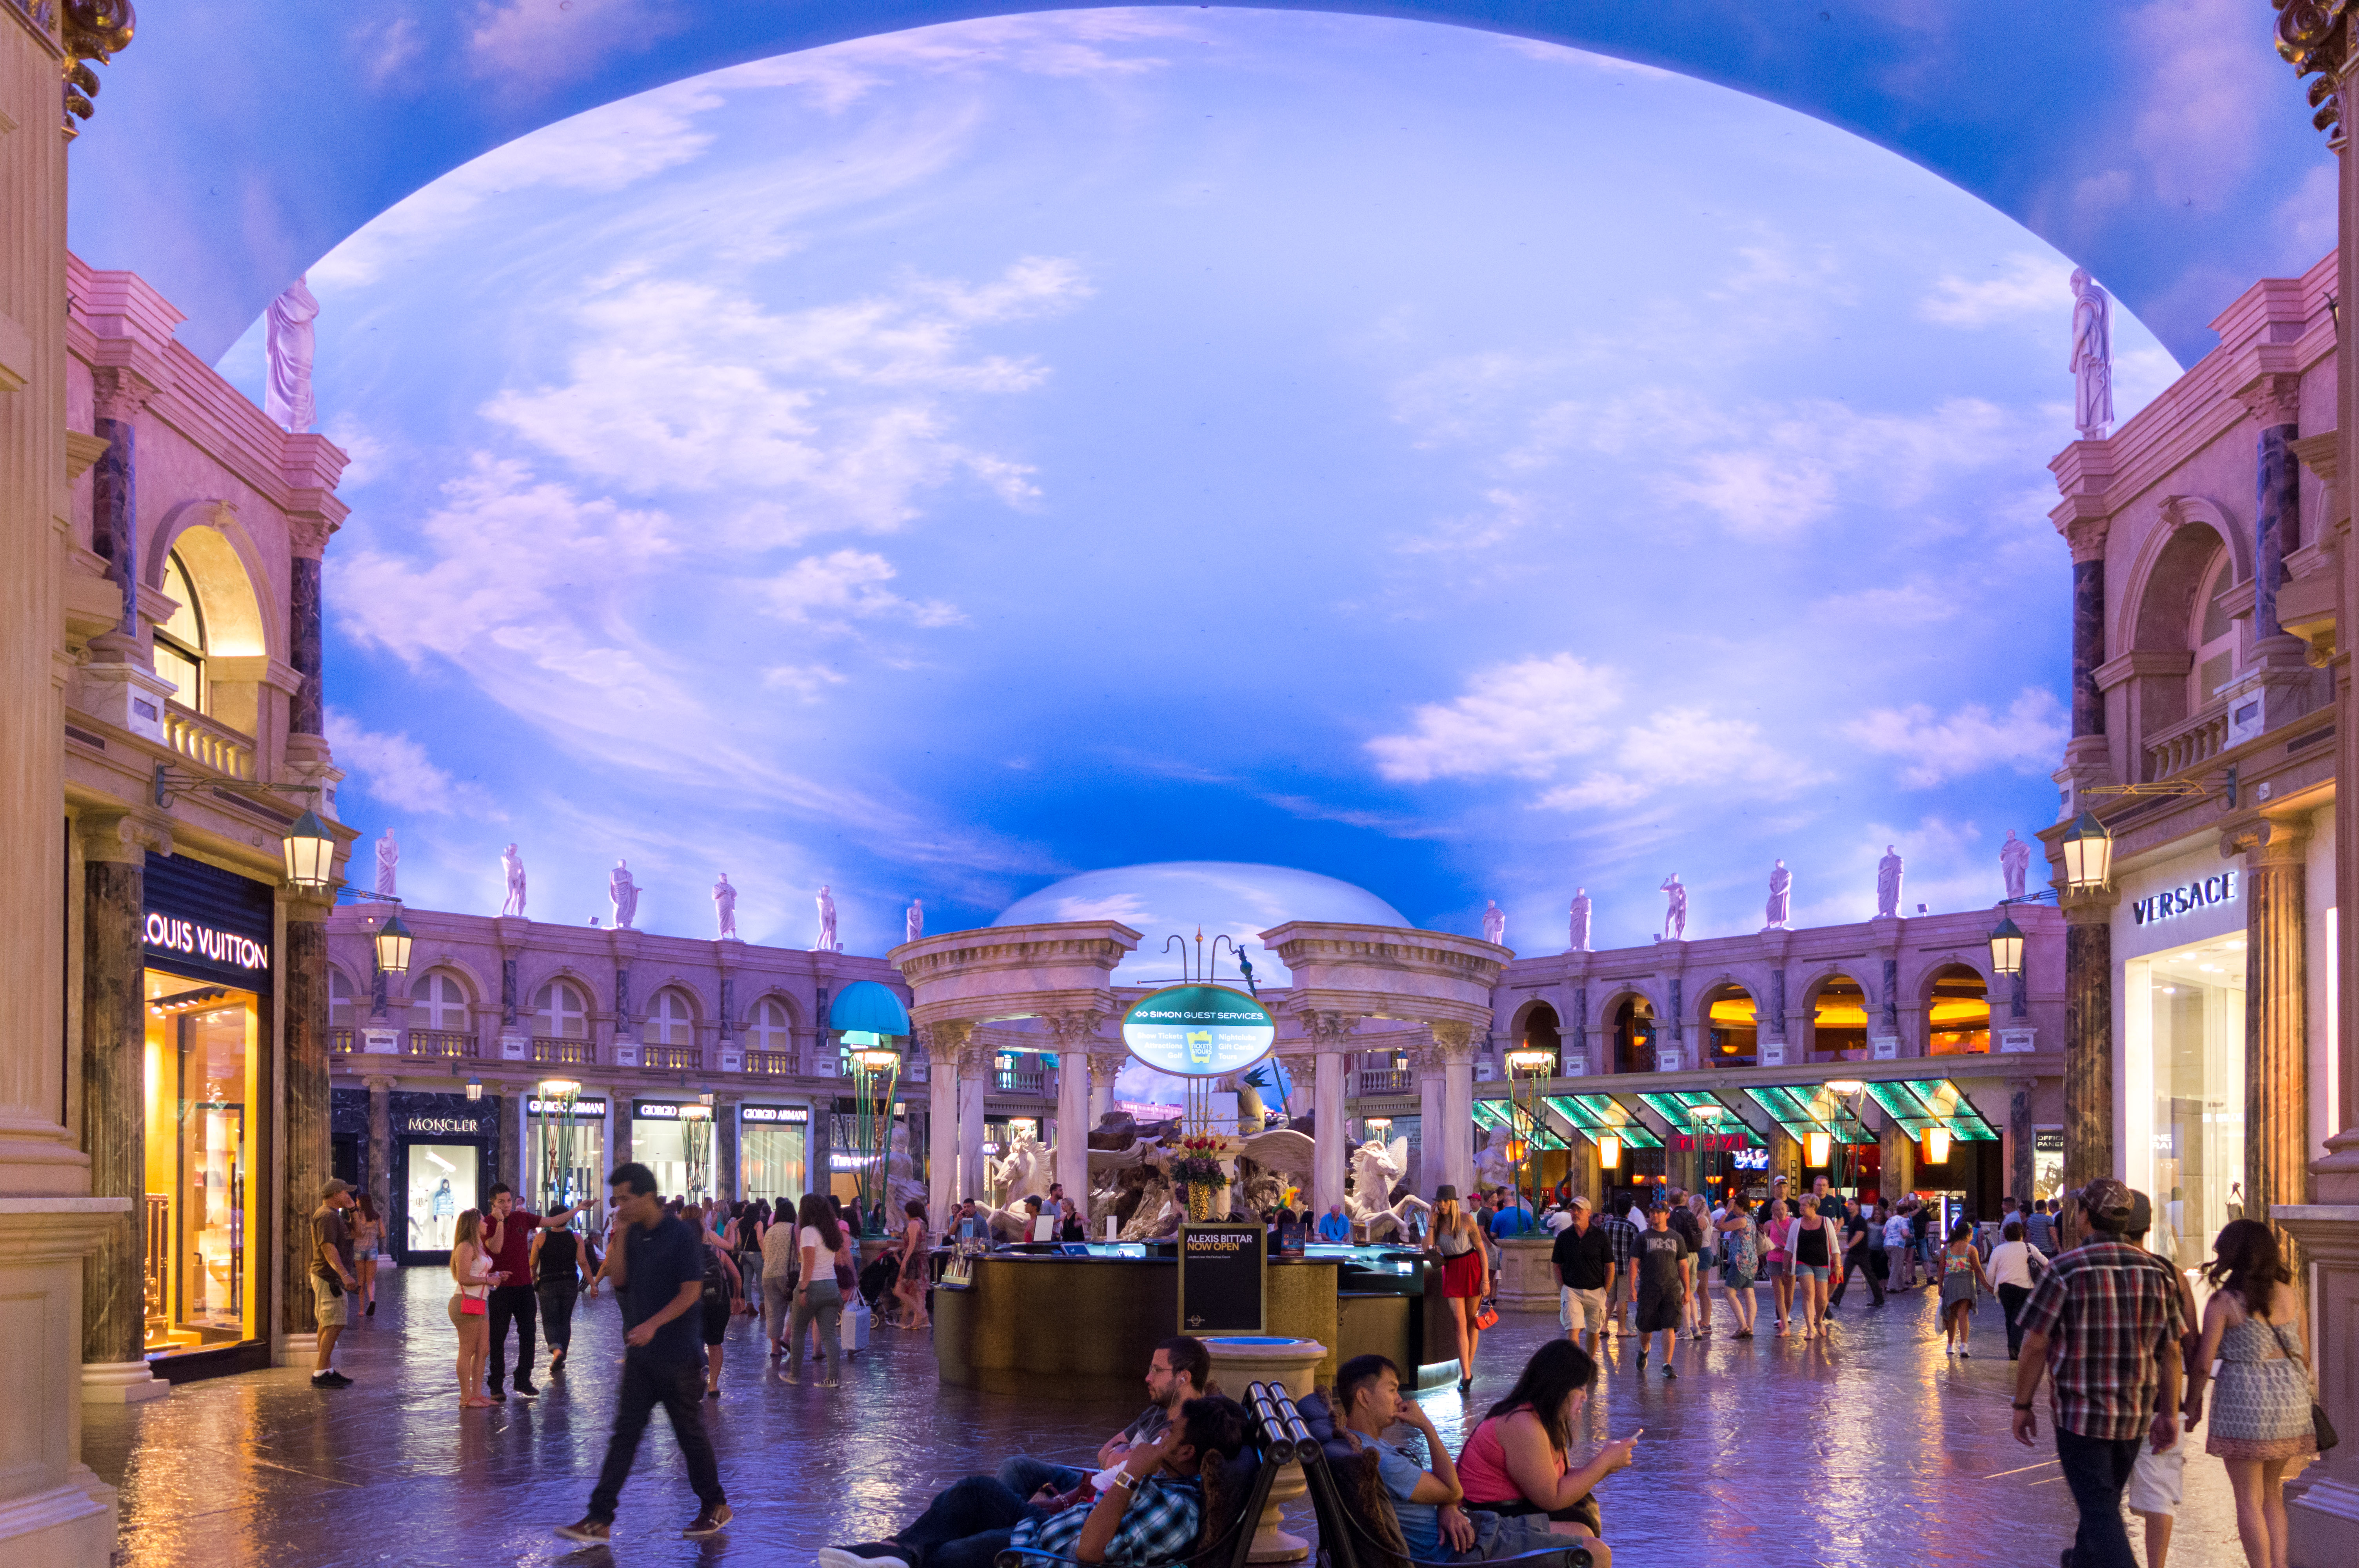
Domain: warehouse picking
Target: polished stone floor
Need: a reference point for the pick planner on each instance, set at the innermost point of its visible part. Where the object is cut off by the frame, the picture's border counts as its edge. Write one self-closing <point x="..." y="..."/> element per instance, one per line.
<point x="1874" y="1449"/>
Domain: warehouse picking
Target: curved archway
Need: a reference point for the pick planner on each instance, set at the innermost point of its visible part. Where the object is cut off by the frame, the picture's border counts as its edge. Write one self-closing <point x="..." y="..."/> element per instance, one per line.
<point x="1838" y="1014"/>
<point x="1538" y="1029"/>
<point x="1730" y="1027"/>
<point x="215" y="645"/>
<point x="1957" y="1013"/>
<point x="1633" y="1025"/>
<point x="2172" y="621"/>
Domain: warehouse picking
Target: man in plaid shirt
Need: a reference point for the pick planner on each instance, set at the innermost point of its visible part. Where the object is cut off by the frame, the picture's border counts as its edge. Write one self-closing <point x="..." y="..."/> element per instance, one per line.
<point x="2112" y="1314"/>
<point x="1625" y="1236"/>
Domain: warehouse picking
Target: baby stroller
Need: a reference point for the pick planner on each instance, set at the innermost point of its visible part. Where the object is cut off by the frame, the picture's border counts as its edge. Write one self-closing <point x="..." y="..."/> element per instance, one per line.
<point x="877" y="1280"/>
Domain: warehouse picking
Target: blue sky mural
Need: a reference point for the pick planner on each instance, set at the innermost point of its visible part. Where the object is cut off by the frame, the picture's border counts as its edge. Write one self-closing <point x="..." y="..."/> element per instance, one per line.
<point x="938" y="463"/>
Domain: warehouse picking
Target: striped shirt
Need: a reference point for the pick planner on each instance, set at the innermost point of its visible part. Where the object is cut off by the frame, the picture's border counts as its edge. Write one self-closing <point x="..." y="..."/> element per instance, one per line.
<point x="2108" y="1310"/>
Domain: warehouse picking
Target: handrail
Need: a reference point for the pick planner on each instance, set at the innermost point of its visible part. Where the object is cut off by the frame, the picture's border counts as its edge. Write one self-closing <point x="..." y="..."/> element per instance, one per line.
<point x="207" y="741"/>
<point x="2193" y="740"/>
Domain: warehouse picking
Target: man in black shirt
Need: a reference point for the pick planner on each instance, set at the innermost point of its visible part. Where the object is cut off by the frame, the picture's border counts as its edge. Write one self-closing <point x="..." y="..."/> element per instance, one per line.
<point x="1584" y="1261"/>
<point x="658" y="1264"/>
<point x="1660" y="1270"/>
<point x="1861" y="1230"/>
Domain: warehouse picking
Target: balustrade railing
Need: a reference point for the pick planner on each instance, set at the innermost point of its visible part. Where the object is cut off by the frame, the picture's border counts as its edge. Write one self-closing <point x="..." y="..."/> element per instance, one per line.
<point x="340" y="1041"/>
<point x="564" y="1052"/>
<point x="452" y="1044"/>
<point x="770" y="1064"/>
<point x="671" y="1059"/>
<point x="2187" y="743"/>
<point x="1020" y="1081"/>
<point x="208" y="742"/>
<point x="1384" y="1081"/>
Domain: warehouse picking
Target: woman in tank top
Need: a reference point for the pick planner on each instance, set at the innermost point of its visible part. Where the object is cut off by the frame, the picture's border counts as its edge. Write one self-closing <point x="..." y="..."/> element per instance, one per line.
<point x="1465" y="1275"/>
<point x="472" y="1273"/>
<point x="2261" y="1424"/>
<point x="556" y="1263"/>
<point x="1811" y="1241"/>
<point x="1517" y="1461"/>
<point x="1777" y="1235"/>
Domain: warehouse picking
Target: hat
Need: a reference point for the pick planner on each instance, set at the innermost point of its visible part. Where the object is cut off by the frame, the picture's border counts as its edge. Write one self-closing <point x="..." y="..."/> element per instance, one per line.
<point x="1579" y="1202"/>
<point x="336" y="1184"/>
<point x="1445" y="1194"/>
<point x="2141" y="1218"/>
<point x="2108" y="1203"/>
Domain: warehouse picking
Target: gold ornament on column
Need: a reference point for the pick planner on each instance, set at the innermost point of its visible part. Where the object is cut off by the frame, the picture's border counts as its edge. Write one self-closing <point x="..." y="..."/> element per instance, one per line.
<point x="2314" y="35"/>
<point x="90" y="30"/>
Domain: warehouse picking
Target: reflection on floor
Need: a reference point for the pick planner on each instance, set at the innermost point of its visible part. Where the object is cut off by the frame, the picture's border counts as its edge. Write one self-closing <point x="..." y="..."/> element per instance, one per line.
<point x="1876" y="1450"/>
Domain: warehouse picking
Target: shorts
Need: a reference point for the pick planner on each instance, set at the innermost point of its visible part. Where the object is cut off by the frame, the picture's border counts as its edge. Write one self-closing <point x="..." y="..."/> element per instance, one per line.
<point x="329" y="1302"/>
<point x="1581" y="1309"/>
<point x="363" y="1254"/>
<point x="716" y="1321"/>
<point x="1657" y="1313"/>
<point x="1512" y="1535"/>
<point x="1781" y="1268"/>
<point x="2158" y="1483"/>
<point x="1812" y="1270"/>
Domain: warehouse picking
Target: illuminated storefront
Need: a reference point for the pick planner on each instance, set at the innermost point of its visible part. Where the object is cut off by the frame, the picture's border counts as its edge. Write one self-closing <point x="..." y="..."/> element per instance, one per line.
<point x="773" y="1144"/>
<point x="445" y="1147"/>
<point x="565" y="1149"/>
<point x="674" y="1140"/>
<point x="208" y="956"/>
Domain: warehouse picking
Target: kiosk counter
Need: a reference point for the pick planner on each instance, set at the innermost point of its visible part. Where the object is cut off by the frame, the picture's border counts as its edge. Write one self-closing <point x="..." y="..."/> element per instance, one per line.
<point x="1079" y="1320"/>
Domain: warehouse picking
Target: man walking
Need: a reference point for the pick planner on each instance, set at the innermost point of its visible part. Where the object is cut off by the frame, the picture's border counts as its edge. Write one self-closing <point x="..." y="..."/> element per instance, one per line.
<point x="1658" y="1278"/>
<point x="516" y="1301"/>
<point x="2114" y="1315"/>
<point x="1624" y="1235"/>
<point x="1584" y="1261"/>
<point x="1859" y="1227"/>
<point x="660" y="1284"/>
<point x="2040" y="1228"/>
<point x="332" y="1279"/>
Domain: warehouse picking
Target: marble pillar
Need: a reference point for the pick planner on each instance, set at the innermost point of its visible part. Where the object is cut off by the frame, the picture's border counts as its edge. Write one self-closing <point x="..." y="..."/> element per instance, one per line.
<point x="114" y="1089"/>
<point x="1428" y="1066"/>
<point x="1073" y="1118"/>
<point x="380" y="1145"/>
<point x="974" y="1080"/>
<point x="307" y="709"/>
<point x="2277" y="1057"/>
<point x="1454" y="1044"/>
<point x="1898" y="1153"/>
<point x="2088" y="642"/>
<point x="1103" y="1072"/>
<point x="1580" y="1041"/>
<point x="2020" y="1135"/>
<point x="115" y="489"/>
<point x="302" y="1130"/>
<point x="944" y="1044"/>
<point x="724" y="1149"/>
<point x="2274" y="400"/>
<point x="507" y="1159"/>
<point x="1327" y="1156"/>
<point x="2088" y="1041"/>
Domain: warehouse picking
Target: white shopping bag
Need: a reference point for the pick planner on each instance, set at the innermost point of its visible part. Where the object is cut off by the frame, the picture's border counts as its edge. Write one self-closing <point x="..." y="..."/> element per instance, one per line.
<point x="854" y="1328"/>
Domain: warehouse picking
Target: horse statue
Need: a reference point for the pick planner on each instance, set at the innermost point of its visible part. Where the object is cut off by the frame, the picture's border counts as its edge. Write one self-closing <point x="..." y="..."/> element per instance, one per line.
<point x="1372" y="1202"/>
<point x="1023" y="1172"/>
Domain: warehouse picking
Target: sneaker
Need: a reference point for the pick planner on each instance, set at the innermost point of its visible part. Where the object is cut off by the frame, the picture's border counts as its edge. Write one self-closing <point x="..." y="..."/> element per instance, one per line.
<point x="332" y="1379"/>
<point x="557" y="1364"/>
<point x="596" y="1530"/>
<point x="1966" y="1353"/>
<point x="526" y="1391"/>
<point x="1670" y="1373"/>
<point x="868" y="1554"/>
<point x="709" y="1521"/>
<point x="1642" y="1361"/>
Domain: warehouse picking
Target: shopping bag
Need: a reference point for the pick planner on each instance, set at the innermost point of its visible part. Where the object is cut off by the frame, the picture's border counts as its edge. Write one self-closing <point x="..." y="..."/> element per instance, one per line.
<point x="853" y="1330"/>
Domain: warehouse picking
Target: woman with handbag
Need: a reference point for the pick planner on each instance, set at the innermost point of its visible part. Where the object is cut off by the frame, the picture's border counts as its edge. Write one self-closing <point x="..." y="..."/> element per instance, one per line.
<point x="471" y="1271"/>
<point x="2264" y="1419"/>
<point x="1465" y="1276"/>
<point x="2016" y="1266"/>
<point x="818" y="1294"/>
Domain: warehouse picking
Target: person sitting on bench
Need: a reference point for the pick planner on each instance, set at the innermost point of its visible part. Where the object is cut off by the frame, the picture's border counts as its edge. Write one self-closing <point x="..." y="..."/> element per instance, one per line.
<point x="1153" y="1512"/>
<point x="1179" y="1369"/>
<point x="1426" y="1503"/>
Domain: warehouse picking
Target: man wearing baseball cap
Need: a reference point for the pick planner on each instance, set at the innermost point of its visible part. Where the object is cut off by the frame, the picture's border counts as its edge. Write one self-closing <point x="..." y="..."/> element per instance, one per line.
<point x="2114" y="1315"/>
<point x="332" y="1278"/>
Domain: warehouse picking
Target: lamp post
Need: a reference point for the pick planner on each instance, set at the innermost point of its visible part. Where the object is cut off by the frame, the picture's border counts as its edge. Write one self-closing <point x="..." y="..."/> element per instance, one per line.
<point x="2007" y="949"/>
<point x="556" y="1142"/>
<point x="2087" y="854"/>
<point x="1529" y="1070"/>
<point x="875" y="1069"/>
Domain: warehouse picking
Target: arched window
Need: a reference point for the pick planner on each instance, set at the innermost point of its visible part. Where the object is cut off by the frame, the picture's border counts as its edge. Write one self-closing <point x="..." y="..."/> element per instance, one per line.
<point x="771" y="1028"/>
<point x="2212" y="635"/>
<point x="1633" y="1036"/>
<point x="437" y="1002"/>
<point x="340" y="1000"/>
<point x="559" y="1012"/>
<point x="669" y="1022"/>
<point x="1539" y="1032"/>
<point x="1839" y="1022"/>
<point x="180" y="642"/>
<point x="1731" y="1031"/>
<point x="1958" y="1021"/>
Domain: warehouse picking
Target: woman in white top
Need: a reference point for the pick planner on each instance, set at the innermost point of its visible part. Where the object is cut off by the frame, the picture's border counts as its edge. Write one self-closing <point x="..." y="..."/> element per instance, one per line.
<point x="471" y="1271"/>
<point x="778" y="1277"/>
<point x="2015" y="1267"/>
<point x="818" y="1298"/>
<point x="1900" y="1247"/>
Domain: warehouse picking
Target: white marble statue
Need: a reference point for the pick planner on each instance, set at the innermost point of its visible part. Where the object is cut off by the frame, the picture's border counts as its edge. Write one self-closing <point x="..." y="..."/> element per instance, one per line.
<point x="2014" y="863"/>
<point x="2092" y="357"/>
<point x="512" y="872"/>
<point x="914" y="922"/>
<point x="1494" y="925"/>
<point x="901" y="1184"/>
<point x="286" y="342"/>
<point x="389" y="858"/>
<point x="1022" y="1173"/>
<point x="1491" y="1166"/>
<point x="1376" y="1168"/>
<point x="1887" y="885"/>
<point x="827" y="942"/>
<point x="1675" y="912"/>
<point x="624" y="894"/>
<point x="724" y="907"/>
<point x="1579" y="931"/>
<point x="1781" y="897"/>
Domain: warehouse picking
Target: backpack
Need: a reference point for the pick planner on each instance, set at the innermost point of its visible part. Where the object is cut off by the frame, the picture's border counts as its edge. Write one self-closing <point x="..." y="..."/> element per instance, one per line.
<point x="716" y="1282"/>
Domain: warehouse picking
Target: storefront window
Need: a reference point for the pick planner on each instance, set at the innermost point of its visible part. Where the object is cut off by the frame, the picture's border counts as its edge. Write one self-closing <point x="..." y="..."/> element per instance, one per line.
<point x="772" y="1141"/>
<point x="2191" y="1002"/>
<point x="565" y="1154"/>
<point x="2047" y="1163"/>
<point x="675" y="1142"/>
<point x="203" y="1044"/>
<point x="442" y="1180"/>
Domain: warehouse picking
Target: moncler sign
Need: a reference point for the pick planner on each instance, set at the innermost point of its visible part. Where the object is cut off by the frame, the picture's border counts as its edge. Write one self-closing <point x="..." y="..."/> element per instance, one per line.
<point x="167" y="933"/>
<point x="2172" y="903"/>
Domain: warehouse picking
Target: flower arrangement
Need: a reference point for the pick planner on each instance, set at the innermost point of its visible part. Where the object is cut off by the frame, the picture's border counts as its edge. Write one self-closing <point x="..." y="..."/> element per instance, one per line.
<point x="1196" y="1159"/>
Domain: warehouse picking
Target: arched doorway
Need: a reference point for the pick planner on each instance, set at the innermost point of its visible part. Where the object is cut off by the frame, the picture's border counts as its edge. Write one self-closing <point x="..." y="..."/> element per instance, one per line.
<point x="1732" y="1028"/>
<point x="1540" y="1032"/>
<point x="1839" y="1021"/>
<point x="1634" y="1036"/>
<point x="1958" y="1014"/>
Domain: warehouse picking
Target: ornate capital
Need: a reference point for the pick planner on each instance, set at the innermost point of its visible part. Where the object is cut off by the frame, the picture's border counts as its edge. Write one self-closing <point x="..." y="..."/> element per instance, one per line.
<point x="2085" y="534"/>
<point x="1323" y="1031"/>
<point x="2265" y="843"/>
<point x="307" y="534"/>
<point x="2314" y="36"/>
<point x="2273" y="398"/>
<point x="118" y="392"/>
<point x="90" y="30"/>
<point x="1453" y="1043"/>
<point x="124" y="837"/>
<point x="1074" y="1031"/>
<point x="1104" y="1068"/>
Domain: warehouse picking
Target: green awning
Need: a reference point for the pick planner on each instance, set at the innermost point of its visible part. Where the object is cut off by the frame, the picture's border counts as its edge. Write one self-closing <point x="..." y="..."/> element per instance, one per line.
<point x="1602" y="1116"/>
<point x="1504" y="1113"/>
<point x="1677" y="1107"/>
<point x="1804" y="1109"/>
<point x="1921" y="1104"/>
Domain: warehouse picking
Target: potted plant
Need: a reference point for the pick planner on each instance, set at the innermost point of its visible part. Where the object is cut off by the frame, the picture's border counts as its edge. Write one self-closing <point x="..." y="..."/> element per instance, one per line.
<point x="1196" y="1168"/>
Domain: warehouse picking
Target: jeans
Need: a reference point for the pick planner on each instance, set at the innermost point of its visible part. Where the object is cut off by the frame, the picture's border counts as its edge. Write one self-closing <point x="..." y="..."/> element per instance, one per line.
<point x="2095" y="1471"/>
<point x="965" y="1526"/>
<point x="1859" y="1263"/>
<point x="777" y="1301"/>
<point x="822" y="1304"/>
<point x="557" y="1299"/>
<point x="516" y="1304"/>
<point x="1025" y="1476"/>
<point x="2010" y="1300"/>
<point x="679" y="1387"/>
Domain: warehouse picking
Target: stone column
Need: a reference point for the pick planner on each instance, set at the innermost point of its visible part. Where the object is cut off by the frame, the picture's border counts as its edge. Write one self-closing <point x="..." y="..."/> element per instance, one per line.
<point x="2088" y="1039"/>
<point x="1331" y="1140"/>
<point x="2020" y="1135"/>
<point x="380" y="1145"/>
<point x="944" y="1041"/>
<point x="114" y="1104"/>
<point x="302" y="1130"/>
<point x="2277" y="1057"/>
<point x="1772" y="1047"/>
<point x="2274" y="400"/>
<point x="1898" y="1153"/>
<point x="1430" y="1119"/>
<point x="2088" y="545"/>
<point x="974" y="1080"/>
<point x="507" y="1156"/>
<point x="1074" y="1032"/>
<point x="1577" y="1052"/>
<point x="1454" y="1044"/>
<point x="307" y="709"/>
<point x="724" y="1149"/>
<point x="1103" y="1073"/>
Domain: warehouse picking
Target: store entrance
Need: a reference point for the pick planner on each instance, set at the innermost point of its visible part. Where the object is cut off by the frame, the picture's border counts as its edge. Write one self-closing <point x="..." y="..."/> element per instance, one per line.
<point x="202" y="1046"/>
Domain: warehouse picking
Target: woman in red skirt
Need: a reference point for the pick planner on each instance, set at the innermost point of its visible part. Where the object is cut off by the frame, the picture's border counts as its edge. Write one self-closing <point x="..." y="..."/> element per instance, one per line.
<point x="1465" y="1274"/>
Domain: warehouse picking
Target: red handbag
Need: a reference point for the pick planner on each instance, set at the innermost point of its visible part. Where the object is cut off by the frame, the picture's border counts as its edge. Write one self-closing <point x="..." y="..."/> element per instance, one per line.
<point x="473" y="1306"/>
<point x="1488" y="1317"/>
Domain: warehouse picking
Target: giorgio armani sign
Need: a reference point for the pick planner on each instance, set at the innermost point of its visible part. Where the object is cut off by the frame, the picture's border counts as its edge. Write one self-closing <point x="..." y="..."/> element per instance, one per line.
<point x="2172" y="903"/>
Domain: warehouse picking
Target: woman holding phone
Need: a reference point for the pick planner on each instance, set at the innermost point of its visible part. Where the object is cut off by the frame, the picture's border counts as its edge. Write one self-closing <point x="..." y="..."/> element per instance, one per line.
<point x="471" y="1271"/>
<point x="1519" y="1459"/>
